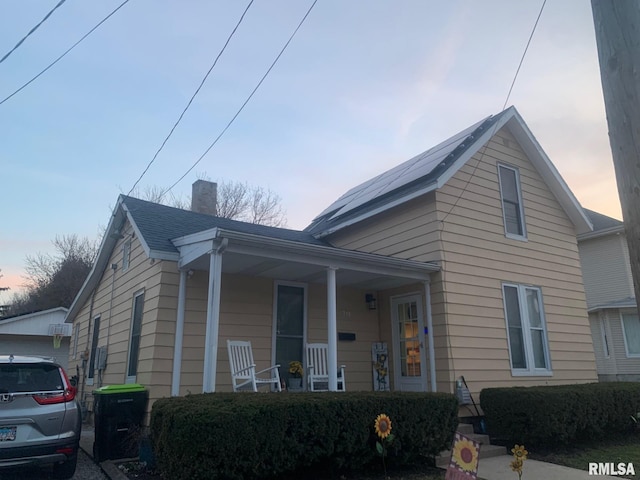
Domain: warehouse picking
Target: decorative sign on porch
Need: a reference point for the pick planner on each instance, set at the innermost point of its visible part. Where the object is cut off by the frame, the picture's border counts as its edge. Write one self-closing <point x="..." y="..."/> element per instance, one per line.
<point x="464" y="459"/>
<point x="380" y="358"/>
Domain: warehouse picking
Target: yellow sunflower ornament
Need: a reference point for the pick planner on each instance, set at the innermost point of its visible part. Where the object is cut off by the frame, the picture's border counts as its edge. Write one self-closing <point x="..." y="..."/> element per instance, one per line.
<point x="383" y="426"/>
<point x="465" y="455"/>
<point x="519" y="456"/>
<point x="519" y="452"/>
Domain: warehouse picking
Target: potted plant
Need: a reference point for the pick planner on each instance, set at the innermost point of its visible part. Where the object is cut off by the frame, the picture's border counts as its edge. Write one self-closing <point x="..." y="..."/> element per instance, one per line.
<point x="295" y="375"/>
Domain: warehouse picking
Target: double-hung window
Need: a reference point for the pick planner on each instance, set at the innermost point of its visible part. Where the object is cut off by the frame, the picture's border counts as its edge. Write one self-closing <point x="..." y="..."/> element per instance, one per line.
<point x="511" y="196"/>
<point x="136" y="330"/>
<point x="631" y="327"/>
<point x="526" y="329"/>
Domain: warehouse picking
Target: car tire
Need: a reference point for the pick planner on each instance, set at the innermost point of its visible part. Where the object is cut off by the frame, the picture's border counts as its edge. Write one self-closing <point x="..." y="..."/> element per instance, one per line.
<point x="65" y="470"/>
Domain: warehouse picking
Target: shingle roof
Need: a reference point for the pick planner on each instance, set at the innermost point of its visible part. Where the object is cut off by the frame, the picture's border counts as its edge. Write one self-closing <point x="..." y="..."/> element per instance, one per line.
<point x="602" y="222"/>
<point x="158" y="224"/>
<point x="402" y="180"/>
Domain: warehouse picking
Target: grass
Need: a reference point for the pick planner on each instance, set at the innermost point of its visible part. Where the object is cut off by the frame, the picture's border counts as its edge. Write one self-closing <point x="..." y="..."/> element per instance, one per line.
<point x="622" y="450"/>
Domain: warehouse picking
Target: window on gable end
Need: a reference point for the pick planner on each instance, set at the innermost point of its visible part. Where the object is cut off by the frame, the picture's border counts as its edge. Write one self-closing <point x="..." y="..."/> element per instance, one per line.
<point x="631" y="327"/>
<point x="126" y="255"/>
<point x="511" y="196"/>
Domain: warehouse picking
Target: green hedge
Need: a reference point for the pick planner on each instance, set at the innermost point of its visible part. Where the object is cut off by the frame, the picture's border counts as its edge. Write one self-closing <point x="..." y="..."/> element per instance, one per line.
<point x="244" y="435"/>
<point x="558" y="415"/>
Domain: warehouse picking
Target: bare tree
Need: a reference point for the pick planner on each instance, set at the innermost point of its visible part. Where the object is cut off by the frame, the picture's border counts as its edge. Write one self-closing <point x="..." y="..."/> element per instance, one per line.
<point x="54" y="280"/>
<point x="236" y="201"/>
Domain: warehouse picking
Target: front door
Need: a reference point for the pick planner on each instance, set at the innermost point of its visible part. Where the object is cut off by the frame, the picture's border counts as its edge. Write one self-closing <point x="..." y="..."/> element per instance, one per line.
<point x="289" y="326"/>
<point x="409" y="352"/>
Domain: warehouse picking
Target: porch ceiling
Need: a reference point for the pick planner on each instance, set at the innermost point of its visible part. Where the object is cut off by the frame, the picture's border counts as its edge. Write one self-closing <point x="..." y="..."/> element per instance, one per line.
<point x="258" y="256"/>
<point x="294" y="271"/>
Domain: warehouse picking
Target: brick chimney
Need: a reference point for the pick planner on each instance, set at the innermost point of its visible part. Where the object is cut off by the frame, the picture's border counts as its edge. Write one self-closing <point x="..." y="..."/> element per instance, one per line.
<point x="204" y="197"/>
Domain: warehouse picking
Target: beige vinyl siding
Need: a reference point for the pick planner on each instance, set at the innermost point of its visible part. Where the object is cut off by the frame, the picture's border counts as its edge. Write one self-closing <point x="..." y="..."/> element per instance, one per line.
<point x="478" y="258"/>
<point x="246" y="313"/>
<point x="606" y="269"/>
<point x="462" y="228"/>
<point x="115" y="316"/>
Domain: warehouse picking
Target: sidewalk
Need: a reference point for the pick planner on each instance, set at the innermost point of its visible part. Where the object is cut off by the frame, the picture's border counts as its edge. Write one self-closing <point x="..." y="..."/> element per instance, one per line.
<point x="497" y="468"/>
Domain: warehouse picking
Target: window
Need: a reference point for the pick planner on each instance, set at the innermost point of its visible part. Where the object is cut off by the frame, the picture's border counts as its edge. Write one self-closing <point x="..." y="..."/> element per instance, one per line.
<point x="512" y="211"/>
<point x="134" y="344"/>
<point x="94" y="346"/>
<point x="126" y="255"/>
<point x="631" y="327"/>
<point x="527" y="333"/>
<point x="605" y="338"/>
<point x="76" y="335"/>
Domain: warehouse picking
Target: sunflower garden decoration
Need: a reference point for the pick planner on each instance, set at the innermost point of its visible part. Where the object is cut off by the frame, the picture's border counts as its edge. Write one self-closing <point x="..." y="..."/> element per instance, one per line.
<point x="382" y="427"/>
<point x="519" y="456"/>
<point x="464" y="459"/>
<point x="296" y="371"/>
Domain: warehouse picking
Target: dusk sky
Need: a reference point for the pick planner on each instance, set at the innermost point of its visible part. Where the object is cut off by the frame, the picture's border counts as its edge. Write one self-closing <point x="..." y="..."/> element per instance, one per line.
<point x="363" y="86"/>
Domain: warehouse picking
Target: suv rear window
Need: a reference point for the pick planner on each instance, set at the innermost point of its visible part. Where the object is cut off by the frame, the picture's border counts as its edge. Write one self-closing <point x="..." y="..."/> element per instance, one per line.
<point x="29" y="377"/>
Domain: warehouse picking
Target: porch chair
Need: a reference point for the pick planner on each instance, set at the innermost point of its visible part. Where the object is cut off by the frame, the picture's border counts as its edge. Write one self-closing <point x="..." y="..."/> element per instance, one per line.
<point x="243" y="368"/>
<point x="318" y="372"/>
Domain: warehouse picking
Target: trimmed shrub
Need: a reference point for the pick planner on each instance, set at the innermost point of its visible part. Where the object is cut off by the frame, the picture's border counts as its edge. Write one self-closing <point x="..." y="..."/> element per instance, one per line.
<point x="550" y="416"/>
<point x="245" y="435"/>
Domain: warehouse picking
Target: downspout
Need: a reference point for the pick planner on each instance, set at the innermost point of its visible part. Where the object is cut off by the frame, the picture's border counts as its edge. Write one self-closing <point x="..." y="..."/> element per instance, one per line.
<point x="432" y="355"/>
<point x="177" y="348"/>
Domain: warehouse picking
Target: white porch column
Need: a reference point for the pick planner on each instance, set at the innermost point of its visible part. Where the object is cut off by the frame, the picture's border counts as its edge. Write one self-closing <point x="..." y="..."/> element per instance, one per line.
<point x="332" y="330"/>
<point x="177" y="347"/>
<point x="432" y="355"/>
<point x="213" y="322"/>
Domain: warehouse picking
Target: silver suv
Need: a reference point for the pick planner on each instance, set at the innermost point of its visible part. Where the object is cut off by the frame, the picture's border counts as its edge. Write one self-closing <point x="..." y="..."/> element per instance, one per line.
<point x="40" y="418"/>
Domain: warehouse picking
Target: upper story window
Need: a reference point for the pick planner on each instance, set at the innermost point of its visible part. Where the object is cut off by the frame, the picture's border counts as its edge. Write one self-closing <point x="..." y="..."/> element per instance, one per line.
<point x="527" y="330"/>
<point x="126" y="255"/>
<point x="631" y="327"/>
<point x="511" y="196"/>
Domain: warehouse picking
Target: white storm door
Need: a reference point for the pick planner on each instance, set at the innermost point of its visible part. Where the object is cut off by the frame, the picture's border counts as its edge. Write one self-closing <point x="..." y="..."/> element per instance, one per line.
<point x="409" y="352"/>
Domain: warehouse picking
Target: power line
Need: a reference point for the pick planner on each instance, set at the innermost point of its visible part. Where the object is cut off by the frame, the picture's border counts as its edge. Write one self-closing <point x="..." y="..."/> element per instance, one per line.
<point x="475" y="168"/>
<point x="32" y="30"/>
<point x="191" y="100"/>
<point x="245" y="102"/>
<point x="67" y="51"/>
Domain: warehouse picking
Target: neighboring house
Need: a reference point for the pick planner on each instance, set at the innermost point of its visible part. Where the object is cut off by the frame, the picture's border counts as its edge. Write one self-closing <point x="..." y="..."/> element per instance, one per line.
<point x="468" y="252"/>
<point x="32" y="334"/>
<point x="613" y="312"/>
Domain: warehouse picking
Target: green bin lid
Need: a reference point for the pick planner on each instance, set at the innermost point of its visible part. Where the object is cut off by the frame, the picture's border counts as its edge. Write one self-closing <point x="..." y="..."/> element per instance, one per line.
<point x="124" y="388"/>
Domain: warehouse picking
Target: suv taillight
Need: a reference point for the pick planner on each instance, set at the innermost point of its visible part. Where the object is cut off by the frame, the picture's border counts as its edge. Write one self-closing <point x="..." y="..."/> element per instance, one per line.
<point x="67" y="395"/>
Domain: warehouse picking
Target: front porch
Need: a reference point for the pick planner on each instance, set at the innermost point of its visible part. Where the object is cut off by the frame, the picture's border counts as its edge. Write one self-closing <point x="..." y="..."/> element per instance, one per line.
<point x="282" y="294"/>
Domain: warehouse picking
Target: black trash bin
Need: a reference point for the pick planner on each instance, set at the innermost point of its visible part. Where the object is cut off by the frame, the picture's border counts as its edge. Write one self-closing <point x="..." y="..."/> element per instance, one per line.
<point x="118" y="415"/>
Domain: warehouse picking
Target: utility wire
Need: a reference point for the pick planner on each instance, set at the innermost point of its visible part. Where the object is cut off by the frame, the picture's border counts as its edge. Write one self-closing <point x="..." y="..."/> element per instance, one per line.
<point x="31" y="31"/>
<point x="191" y="100"/>
<point x="245" y="102"/>
<point x="65" y="53"/>
<point x="475" y="168"/>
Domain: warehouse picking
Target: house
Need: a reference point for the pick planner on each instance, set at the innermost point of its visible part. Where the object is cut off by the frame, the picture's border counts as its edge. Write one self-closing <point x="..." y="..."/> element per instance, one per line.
<point x="460" y="261"/>
<point x="611" y="303"/>
<point x="32" y="334"/>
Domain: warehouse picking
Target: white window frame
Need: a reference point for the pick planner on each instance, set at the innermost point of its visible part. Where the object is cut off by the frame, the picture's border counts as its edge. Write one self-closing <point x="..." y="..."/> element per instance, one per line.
<point x="531" y="369"/>
<point x="76" y="335"/>
<point x="94" y="347"/>
<point x="132" y="378"/>
<point x="126" y="255"/>
<point x="624" y="332"/>
<point x="523" y="223"/>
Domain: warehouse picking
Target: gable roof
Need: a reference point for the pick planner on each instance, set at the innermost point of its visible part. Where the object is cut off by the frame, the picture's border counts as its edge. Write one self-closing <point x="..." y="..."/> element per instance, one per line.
<point x="158" y="224"/>
<point x="431" y="169"/>
<point x="602" y="225"/>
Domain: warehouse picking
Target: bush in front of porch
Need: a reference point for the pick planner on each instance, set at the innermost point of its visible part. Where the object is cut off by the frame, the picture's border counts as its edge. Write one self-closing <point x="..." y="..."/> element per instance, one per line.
<point x="247" y="435"/>
<point x="548" y="416"/>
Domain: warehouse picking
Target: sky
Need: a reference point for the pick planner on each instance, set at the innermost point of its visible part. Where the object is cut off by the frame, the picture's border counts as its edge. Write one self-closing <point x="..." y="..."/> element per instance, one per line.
<point x="363" y="86"/>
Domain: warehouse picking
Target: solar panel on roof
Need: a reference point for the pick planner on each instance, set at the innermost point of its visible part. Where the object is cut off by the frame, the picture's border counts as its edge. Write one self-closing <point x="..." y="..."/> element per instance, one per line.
<point x="397" y="177"/>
